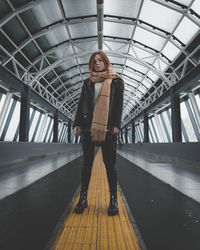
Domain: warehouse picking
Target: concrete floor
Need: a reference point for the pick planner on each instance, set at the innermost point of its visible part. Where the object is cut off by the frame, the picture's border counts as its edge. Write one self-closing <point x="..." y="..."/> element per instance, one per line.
<point x="183" y="180"/>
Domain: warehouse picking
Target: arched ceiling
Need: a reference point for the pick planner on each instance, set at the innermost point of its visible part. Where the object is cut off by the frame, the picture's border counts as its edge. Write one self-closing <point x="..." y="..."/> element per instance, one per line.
<point x="152" y="44"/>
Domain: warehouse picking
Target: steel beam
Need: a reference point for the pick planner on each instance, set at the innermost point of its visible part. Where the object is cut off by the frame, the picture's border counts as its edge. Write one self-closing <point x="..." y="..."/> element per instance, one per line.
<point x="100" y="17"/>
<point x="176" y="117"/>
<point x="24" y="114"/>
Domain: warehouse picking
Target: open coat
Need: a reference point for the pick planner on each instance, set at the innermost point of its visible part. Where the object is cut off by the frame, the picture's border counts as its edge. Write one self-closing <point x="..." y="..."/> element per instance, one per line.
<point x="84" y="113"/>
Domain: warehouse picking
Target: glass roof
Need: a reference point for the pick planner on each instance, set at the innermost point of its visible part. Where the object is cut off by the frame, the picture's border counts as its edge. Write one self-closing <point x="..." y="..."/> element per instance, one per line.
<point x="50" y="42"/>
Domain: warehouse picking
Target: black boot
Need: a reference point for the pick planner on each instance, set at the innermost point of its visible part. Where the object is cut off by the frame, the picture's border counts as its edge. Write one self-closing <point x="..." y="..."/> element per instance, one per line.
<point x="113" y="206"/>
<point x="82" y="204"/>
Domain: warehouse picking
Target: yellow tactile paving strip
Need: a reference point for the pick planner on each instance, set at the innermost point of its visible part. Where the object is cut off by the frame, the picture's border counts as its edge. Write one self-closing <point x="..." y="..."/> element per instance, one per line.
<point x="94" y="229"/>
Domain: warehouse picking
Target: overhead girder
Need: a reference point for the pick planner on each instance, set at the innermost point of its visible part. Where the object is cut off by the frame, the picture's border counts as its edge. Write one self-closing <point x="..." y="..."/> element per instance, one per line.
<point x="114" y="54"/>
<point x="64" y="45"/>
<point x="133" y="96"/>
<point x="65" y="82"/>
<point x="181" y="8"/>
<point x="129" y="69"/>
<point x="36" y="46"/>
<point x="15" y="63"/>
<point x="65" y="21"/>
<point x="129" y="103"/>
<point x="23" y="8"/>
<point x="142" y="25"/>
<point x="146" y="26"/>
<point x="130" y="90"/>
<point x="132" y="80"/>
<point x="64" y="74"/>
<point x="45" y="32"/>
<point x="69" y="34"/>
<point x="73" y="96"/>
<point x="100" y="17"/>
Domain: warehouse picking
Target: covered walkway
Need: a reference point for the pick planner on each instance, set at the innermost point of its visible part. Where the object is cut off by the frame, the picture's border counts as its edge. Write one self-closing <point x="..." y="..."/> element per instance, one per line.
<point x="45" y="46"/>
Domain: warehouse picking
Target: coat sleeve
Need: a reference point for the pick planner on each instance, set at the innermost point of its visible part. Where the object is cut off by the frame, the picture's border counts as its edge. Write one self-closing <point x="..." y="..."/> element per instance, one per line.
<point x="79" y="111"/>
<point x="118" y="102"/>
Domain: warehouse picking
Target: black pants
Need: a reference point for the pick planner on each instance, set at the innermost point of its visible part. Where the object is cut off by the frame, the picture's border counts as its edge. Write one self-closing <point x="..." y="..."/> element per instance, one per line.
<point x="109" y="159"/>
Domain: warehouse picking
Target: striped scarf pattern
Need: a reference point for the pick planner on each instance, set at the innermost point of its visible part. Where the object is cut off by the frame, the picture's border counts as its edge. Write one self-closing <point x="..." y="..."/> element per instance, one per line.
<point x="101" y="109"/>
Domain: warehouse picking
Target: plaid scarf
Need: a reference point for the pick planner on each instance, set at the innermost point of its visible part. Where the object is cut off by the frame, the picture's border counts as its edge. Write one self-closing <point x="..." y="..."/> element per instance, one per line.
<point x="100" y="115"/>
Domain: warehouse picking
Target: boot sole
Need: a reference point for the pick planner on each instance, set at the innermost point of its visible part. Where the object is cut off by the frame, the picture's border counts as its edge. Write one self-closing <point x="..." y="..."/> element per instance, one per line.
<point x="113" y="213"/>
<point x="80" y="211"/>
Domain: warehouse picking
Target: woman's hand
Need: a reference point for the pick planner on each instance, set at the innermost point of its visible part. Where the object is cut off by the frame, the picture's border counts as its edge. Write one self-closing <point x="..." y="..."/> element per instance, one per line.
<point x="115" y="130"/>
<point x="77" y="130"/>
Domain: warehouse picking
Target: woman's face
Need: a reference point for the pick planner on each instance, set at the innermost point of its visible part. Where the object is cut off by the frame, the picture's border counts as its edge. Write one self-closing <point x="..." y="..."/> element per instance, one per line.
<point x="98" y="63"/>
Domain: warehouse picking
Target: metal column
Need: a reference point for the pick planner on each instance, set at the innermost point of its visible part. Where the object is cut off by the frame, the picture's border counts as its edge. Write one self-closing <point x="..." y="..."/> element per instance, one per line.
<point x="176" y="117"/>
<point x="146" y="128"/>
<point x="55" y="127"/>
<point x="69" y="133"/>
<point x="126" y="134"/>
<point x="24" y="114"/>
<point x="133" y="132"/>
<point x="100" y="16"/>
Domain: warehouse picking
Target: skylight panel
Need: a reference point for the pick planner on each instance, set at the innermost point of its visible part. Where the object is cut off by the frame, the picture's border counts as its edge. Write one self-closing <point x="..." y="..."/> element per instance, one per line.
<point x="115" y="46"/>
<point x="186" y="30"/>
<point x="160" y="16"/>
<point x="146" y="83"/>
<point x="185" y="2"/>
<point x="152" y="76"/>
<point x="47" y="12"/>
<point x="142" y="89"/>
<point x="150" y="39"/>
<point x="142" y="54"/>
<point x="83" y="29"/>
<point x="135" y="77"/>
<point x="86" y="45"/>
<point x="136" y="66"/>
<point x="196" y="6"/>
<point x="139" y="95"/>
<point x="170" y="51"/>
<point x="118" y="30"/>
<point x="124" y="8"/>
<point x="79" y="8"/>
<point x="84" y="59"/>
<point x="116" y="59"/>
<point x="139" y="53"/>
<point x="129" y="82"/>
<point x="57" y="36"/>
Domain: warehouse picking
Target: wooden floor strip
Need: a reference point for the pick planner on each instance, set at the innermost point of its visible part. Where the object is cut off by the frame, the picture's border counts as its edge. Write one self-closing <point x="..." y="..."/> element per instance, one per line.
<point x="94" y="229"/>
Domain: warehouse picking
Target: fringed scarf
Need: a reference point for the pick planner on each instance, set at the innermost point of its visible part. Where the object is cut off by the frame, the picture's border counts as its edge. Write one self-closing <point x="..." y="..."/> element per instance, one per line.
<point x="100" y="115"/>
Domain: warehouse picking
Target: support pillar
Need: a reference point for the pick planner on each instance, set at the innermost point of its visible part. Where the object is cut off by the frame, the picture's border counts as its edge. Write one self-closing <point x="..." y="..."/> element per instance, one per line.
<point x="55" y="127"/>
<point x="24" y="114"/>
<point x="146" y="128"/>
<point x="126" y="134"/>
<point x="133" y="132"/>
<point x="176" y="117"/>
<point x="69" y="133"/>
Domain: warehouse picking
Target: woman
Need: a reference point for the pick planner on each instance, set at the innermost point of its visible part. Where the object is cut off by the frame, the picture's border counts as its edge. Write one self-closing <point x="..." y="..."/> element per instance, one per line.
<point x="98" y="120"/>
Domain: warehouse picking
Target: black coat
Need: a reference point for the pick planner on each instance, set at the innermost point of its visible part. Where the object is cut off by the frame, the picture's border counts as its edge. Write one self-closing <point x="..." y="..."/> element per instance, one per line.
<point x="84" y="113"/>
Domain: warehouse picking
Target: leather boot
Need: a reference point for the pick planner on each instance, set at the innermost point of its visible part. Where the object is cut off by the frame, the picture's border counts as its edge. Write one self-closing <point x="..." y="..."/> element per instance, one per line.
<point x="82" y="204"/>
<point x="113" y="206"/>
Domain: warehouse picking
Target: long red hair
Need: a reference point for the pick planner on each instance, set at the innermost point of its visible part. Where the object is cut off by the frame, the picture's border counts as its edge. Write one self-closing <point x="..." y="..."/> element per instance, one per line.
<point x="103" y="57"/>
